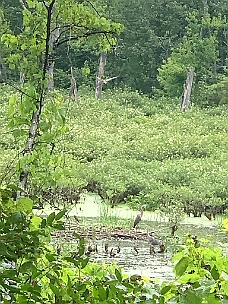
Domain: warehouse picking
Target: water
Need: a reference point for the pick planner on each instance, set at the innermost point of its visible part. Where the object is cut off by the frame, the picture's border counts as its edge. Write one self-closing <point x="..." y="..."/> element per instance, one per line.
<point x="139" y="261"/>
<point x="157" y="265"/>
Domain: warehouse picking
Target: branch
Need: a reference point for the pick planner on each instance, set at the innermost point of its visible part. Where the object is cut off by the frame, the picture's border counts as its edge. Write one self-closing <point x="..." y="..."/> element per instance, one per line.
<point x="23" y="4"/>
<point x="44" y="3"/>
<point x="85" y="36"/>
<point x="107" y="80"/>
<point x="48" y="26"/>
<point x="22" y="92"/>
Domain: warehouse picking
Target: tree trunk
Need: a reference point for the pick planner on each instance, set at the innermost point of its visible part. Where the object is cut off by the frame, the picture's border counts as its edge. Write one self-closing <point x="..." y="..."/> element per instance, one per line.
<point x="23" y="180"/>
<point x="51" y="58"/>
<point x="185" y="98"/>
<point x="100" y="75"/>
<point x="73" y="87"/>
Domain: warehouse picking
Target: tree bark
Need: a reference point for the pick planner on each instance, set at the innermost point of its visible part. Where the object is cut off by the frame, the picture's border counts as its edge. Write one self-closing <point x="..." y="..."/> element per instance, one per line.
<point x="185" y="98"/>
<point x="51" y="57"/>
<point x="73" y="87"/>
<point x="100" y="75"/>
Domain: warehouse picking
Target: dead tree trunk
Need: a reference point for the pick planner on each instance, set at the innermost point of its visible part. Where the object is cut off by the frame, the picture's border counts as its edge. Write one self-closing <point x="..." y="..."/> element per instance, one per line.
<point x="73" y="88"/>
<point x="100" y="75"/>
<point x="185" y="98"/>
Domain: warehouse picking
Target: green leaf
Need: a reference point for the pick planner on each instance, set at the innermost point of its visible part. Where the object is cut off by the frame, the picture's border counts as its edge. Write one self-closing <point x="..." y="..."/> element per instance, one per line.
<point x="50" y="218"/>
<point x="165" y="289"/>
<point x="102" y="293"/>
<point x="84" y="262"/>
<point x="118" y="275"/>
<point x="50" y="257"/>
<point x="24" y="204"/>
<point x="212" y="299"/>
<point x="35" y="223"/>
<point x="25" y="267"/>
<point x="181" y="266"/>
<point x="60" y="215"/>
<point x="55" y="289"/>
<point x="224" y="286"/>
<point x="215" y="273"/>
<point x="76" y="235"/>
<point x="12" y="103"/>
<point x="43" y="223"/>
<point x="191" y="297"/>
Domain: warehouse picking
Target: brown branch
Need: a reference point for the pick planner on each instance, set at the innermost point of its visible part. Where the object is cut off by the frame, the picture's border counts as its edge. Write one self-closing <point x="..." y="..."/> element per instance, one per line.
<point x="84" y="36"/>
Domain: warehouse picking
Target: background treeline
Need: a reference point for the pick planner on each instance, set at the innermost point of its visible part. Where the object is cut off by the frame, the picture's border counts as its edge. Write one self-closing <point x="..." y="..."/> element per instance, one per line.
<point x="160" y="40"/>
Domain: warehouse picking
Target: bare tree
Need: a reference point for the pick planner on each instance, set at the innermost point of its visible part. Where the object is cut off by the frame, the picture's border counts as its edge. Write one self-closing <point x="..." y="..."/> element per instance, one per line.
<point x="100" y="79"/>
<point x="73" y="87"/>
<point x="100" y="75"/>
<point x="185" y="98"/>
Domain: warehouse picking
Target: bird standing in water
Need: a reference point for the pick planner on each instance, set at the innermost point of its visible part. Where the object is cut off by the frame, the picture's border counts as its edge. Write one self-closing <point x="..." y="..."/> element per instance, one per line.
<point x="138" y="217"/>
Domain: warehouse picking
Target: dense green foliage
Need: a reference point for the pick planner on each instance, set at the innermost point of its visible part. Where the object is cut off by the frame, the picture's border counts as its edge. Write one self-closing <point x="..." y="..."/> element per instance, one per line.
<point x="160" y="40"/>
<point x="128" y="145"/>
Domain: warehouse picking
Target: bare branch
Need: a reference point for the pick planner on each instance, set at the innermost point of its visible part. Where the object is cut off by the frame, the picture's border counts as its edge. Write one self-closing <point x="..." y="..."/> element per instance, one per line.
<point x="23" y="4"/>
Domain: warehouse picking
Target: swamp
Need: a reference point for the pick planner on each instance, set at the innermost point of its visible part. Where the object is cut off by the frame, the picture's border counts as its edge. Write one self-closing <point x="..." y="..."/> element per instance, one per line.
<point x="110" y="236"/>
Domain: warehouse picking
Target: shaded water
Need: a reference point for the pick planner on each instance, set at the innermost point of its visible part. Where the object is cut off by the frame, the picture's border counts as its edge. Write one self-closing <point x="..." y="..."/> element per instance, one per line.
<point x="91" y="212"/>
<point x="157" y="265"/>
<point x="143" y="263"/>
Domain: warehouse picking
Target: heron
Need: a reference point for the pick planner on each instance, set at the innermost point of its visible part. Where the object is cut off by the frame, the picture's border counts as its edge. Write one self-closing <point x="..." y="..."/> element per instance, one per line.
<point x="138" y="217"/>
<point x="153" y="240"/>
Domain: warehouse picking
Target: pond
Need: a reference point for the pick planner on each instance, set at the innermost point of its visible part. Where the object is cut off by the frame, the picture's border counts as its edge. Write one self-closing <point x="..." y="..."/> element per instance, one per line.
<point x="134" y="254"/>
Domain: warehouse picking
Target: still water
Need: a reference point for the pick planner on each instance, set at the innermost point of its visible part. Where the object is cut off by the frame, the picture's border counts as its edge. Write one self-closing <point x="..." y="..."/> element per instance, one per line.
<point x="134" y="256"/>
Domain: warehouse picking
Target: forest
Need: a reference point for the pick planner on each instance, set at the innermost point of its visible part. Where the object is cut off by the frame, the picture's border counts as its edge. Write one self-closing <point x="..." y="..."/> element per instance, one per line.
<point x="91" y="96"/>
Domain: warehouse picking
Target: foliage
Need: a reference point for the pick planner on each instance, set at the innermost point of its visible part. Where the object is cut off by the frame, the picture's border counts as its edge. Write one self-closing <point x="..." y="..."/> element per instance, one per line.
<point x="201" y="274"/>
<point x="198" y="50"/>
<point x="33" y="271"/>
<point x="213" y="94"/>
<point x="152" y="31"/>
<point x="167" y="156"/>
<point x="32" y="53"/>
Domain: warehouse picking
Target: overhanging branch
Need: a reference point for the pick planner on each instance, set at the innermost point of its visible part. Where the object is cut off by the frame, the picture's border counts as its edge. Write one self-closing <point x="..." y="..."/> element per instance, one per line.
<point x="86" y="35"/>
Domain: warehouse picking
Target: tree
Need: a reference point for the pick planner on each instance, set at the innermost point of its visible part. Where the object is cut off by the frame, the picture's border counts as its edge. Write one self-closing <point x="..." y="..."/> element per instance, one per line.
<point x="46" y="26"/>
<point x="198" y="49"/>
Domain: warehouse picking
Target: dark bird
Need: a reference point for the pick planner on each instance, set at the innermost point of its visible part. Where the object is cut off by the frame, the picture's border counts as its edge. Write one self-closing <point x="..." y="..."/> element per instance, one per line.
<point x="162" y="248"/>
<point x="174" y="229"/>
<point x="138" y="218"/>
<point x="118" y="249"/>
<point x="89" y="250"/>
<point x="112" y="253"/>
<point x="106" y="248"/>
<point x="58" y="250"/>
<point x="196" y="241"/>
<point x="152" y="251"/>
<point x="136" y="250"/>
<point x="153" y="240"/>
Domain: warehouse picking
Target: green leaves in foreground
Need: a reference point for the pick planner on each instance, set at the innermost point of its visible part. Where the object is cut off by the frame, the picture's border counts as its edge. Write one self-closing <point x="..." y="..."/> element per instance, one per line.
<point x="33" y="271"/>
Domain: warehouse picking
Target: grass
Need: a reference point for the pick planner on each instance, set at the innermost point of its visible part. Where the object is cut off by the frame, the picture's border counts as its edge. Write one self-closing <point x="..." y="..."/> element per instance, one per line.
<point x="109" y="217"/>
